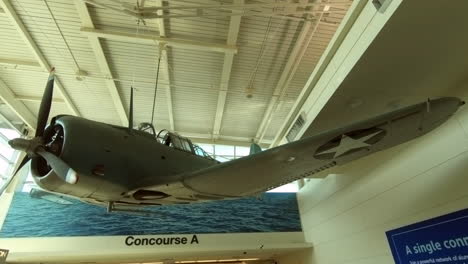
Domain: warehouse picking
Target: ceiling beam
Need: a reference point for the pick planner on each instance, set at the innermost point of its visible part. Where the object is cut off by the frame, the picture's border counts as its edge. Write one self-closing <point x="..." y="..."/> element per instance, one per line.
<point x="152" y="39"/>
<point x="9" y="123"/>
<point x="283" y="10"/>
<point x="36" y="99"/>
<point x="165" y="67"/>
<point x="24" y="33"/>
<point x="234" y="27"/>
<point x="120" y="9"/>
<point x="86" y="21"/>
<point x="287" y="6"/>
<point x="290" y="69"/>
<point x="19" y="62"/>
<point x="292" y="59"/>
<point x="340" y="41"/>
<point x="16" y="106"/>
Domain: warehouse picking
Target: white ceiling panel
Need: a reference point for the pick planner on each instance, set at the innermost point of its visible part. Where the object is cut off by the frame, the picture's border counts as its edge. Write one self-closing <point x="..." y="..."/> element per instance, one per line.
<point x="12" y="45"/>
<point x="189" y="85"/>
<point x="242" y="115"/>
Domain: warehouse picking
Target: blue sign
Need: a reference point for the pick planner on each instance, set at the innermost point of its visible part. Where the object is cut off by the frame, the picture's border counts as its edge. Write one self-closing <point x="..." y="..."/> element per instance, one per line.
<point x="443" y="239"/>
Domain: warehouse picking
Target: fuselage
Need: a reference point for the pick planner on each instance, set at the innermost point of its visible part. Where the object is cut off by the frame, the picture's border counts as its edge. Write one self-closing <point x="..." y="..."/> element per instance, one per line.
<point x="112" y="161"/>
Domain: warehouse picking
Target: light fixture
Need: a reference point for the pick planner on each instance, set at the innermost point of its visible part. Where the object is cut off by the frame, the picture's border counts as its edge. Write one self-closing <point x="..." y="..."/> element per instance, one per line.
<point x="215" y="260"/>
<point x="80" y="75"/>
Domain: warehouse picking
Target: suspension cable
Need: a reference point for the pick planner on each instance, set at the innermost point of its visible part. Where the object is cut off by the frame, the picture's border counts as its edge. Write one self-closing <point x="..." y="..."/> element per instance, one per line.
<point x="156" y="87"/>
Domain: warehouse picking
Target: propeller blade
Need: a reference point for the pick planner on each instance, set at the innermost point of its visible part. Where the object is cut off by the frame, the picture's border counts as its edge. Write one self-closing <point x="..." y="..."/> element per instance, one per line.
<point x="59" y="166"/>
<point x="23" y="162"/>
<point x="46" y="104"/>
<point x="10" y="180"/>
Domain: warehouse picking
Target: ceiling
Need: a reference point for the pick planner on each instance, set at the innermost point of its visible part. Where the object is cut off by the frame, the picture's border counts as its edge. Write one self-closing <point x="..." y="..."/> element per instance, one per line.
<point x="230" y="71"/>
<point x="420" y="53"/>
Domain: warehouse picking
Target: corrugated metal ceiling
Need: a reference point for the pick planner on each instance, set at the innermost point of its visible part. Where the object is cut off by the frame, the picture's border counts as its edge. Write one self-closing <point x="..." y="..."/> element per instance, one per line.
<point x="264" y="47"/>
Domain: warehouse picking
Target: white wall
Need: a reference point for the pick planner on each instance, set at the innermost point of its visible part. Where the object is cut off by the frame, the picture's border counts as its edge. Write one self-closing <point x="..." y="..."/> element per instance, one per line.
<point x="299" y="257"/>
<point x="105" y="249"/>
<point x="345" y="216"/>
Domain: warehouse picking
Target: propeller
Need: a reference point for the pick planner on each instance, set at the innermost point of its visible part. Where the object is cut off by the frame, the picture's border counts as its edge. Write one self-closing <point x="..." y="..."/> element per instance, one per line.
<point x="46" y="104"/>
<point x="59" y="166"/>
<point x="35" y="147"/>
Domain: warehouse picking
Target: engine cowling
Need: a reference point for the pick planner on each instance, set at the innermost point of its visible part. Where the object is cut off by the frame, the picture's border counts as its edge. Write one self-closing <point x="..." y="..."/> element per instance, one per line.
<point x="86" y="175"/>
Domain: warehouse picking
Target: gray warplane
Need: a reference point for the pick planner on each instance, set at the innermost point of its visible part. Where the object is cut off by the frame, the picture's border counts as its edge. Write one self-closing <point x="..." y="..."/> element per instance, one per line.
<point x="116" y="166"/>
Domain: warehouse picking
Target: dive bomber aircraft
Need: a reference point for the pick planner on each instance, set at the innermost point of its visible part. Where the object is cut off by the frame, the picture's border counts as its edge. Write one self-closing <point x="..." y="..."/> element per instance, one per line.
<point x="118" y="166"/>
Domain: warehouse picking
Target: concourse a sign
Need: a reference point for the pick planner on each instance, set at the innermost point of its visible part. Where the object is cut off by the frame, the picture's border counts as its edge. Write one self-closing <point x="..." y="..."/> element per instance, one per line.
<point x="443" y="239"/>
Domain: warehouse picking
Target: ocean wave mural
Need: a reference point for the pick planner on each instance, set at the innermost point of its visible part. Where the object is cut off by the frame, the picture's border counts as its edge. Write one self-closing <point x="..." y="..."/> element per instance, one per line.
<point x="38" y="214"/>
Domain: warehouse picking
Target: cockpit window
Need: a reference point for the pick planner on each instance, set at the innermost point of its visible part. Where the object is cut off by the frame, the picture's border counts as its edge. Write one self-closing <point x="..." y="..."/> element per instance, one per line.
<point x="200" y="152"/>
<point x="175" y="142"/>
<point x="181" y="143"/>
<point x="186" y="144"/>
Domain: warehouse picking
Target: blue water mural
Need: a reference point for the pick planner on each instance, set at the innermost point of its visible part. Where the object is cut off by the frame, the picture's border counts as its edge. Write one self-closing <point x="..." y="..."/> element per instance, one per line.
<point x="36" y="217"/>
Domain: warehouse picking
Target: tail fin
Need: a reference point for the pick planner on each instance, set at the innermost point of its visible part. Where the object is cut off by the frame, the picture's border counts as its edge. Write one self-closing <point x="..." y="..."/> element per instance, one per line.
<point x="254" y="148"/>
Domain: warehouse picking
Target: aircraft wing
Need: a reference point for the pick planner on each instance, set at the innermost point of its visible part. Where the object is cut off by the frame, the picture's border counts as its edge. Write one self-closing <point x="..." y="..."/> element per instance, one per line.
<point x="304" y="158"/>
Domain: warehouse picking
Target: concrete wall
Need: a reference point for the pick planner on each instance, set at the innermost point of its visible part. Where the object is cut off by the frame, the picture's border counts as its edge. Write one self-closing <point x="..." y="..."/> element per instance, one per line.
<point x="345" y="216"/>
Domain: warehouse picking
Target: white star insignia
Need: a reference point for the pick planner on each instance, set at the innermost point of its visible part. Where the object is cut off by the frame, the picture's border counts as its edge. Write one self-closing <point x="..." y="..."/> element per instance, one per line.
<point x="349" y="143"/>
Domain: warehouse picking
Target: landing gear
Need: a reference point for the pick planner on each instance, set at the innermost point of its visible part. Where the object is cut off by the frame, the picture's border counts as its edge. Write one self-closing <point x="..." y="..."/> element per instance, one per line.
<point x="110" y="207"/>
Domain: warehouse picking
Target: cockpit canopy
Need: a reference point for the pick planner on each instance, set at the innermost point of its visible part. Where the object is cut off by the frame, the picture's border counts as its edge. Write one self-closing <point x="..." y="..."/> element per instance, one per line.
<point x="176" y="141"/>
<point x="173" y="140"/>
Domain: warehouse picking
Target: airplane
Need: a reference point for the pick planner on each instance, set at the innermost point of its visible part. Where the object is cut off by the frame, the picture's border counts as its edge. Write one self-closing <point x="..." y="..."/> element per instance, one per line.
<point x="115" y="166"/>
